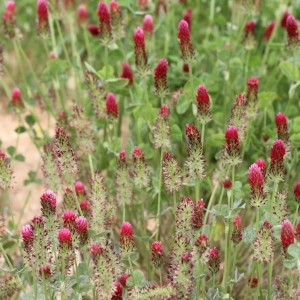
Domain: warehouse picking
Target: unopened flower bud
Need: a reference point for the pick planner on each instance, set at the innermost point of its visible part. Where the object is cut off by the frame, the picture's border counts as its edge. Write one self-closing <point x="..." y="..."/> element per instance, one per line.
<point x="127" y="73"/>
<point x="213" y="260"/>
<point x="287" y="235"/>
<point x="148" y="25"/>
<point x="111" y="105"/>
<point x="156" y="253"/>
<point x="82" y="13"/>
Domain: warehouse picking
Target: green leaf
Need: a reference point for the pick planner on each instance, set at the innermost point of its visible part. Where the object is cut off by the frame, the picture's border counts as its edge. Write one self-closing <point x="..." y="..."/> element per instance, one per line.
<point x="113" y="146"/>
<point x="290" y="263"/>
<point x="116" y="83"/>
<point x="249" y="234"/>
<point x="30" y="120"/>
<point x="106" y="72"/>
<point x="146" y="112"/>
<point x="183" y="104"/>
<point x="137" y="279"/>
<point x="90" y="68"/>
<point x="19" y="157"/>
<point x="290" y="70"/>
<point x="20" y="129"/>
<point x="221" y="210"/>
<point x="55" y="67"/>
<point x="124" y="2"/>
<point x="176" y="133"/>
<point x="294" y="251"/>
<point x="11" y="150"/>
<point x="265" y="99"/>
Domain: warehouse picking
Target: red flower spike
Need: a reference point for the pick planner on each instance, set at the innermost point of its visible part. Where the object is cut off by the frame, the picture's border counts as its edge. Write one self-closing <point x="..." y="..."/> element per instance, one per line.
<point x="11" y="7"/>
<point x="81" y="224"/>
<point x="262" y="165"/>
<point x="93" y="29"/>
<point x="148" y="25"/>
<point x="252" y="90"/>
<point x="297" y="191"/>
<point x="287" y="235"/>
<point x="27" y="234"/>
<point x="185" y="44"/>
<point x="253" y="282"/>
<point x="127" y="73"/>
<point x="156" y="253"/>
<point x="45" y="272"/>
<point x="69" y="218"/>
<point x="64" y="237"/>
<point x="16" y="98"/>
<point x="249" y="28"/>
<point x="191" y="132"/>
<point x="48" y="203"/>
<point x="126" y="237"/>
<point x="85" y="205"/>
<point x="96" y="249"/>
<point x="284" y="18"/>
<point x="82" y="13"/>
<point x="188" y="16"/>
<point x="141" y="60"/>
<point x="197" y="218"/>
<point x="186" y="68"/>
<point x="232" y="146"/>
<point x="203" y="104"/>
<point x="118" y="291"/>
<point x="79" y="188"/>
<point x="269" y="30"/>
<point x="213" y="260"/>
<point x="123" y="279"/>
<point x="237" y="234"/>
<point x="111" y="106"/>
<point x="164" y="111"/>
<point x="256" y="180"/>
<point x="202" y="243"/>
<point x="160" y="78"/>
<point x="282" y="127"/>
<point x="277" y="151"/>
<point x="116" y="19"/>
<point x="227" y="184"/>
<point x="42" y="12"/>
<point x="105" y="23"/>
<point x="292" y="30"/>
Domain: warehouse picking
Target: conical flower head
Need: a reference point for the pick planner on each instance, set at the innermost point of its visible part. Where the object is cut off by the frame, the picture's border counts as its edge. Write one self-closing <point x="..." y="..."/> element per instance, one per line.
<point x="277" y="154"/>
<point x="237" y="233"/>
<point x="140" y="169"/>
<point x="156" y="253"/>
<point x="127" y="73"/>
<point x="269" y="30"/>
<point x="232" y="146"/>
<point x="287" y="235"/>
<point x="249" y="38"/>
<point x="141" y="59"/>
<point x="111" y="106"/>
<point x="282" y="127"/>
<point x="48" y="203"/>
<point x="126" y="237"/>
<point x="28" y="237"/>
<point x="42" y="12"/>
<point x="213" y="261"/>
<point x="292" y="30"/>
<point x="188" y="16"/>
<point x="160" y="78"/>
<point x="116" y="19"/>
<point x="202" y="244"/>
<point x="185" y="44"/>
<point x="82" y="13"/>
<point x="297" y="191"/>
<point x="252" y="91"/>
<point x="197" y="217"/>
<point x="284" y="18"/>
<point x="148" y="25"/>
<point x="262" y="165"/>
<point x="65" y="237"/>
<point x="256" y="180"/>
<point x="203" y="105"/>
<point x="69" y="219"/>
<point x="105" y="23"/>
<point x="16" y="98"/>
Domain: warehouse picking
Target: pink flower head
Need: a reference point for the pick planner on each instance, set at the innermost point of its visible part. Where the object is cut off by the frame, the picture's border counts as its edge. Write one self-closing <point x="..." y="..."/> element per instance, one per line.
<point x="96" y="249"/>
<point x="93" y="29"/>
<point x="262" y="165"/>
<point x="10" y="7"/>
<point x="105" y="23"/>
<point x="27" y="234"/>
<point x="164" y="111"/>
<point x="127" y="73"/>
<point x="156" y="253"/>
<point x="269" y="30"/>
<point x="249" y="28"/>
<point x="203" y="104"/>
<point x="126" y="237"/>
<point x="188" y="16"/>
<point x="82" y="13"/>
<point x="141" y="60"/>
<point x="45" y="271"/>
<point x="297" y="191"/>
<point x="282" y="127"/>
<point x="256" y="180"/>
<point x="232" y="145"/>
<point x="85" y="205"/>
<point x="79" y="188"/>
<point x="81" y="224"/>
<point x="111" y="105"/>
<point x="284" y="18"/>
<point x="16" y="98"/>
<point x="237" y="233"/>
<point x="292" y="30"/>
<point x="252" y="89"/>
<point x="148" y="25"/>
<point x="64" y="237"/>
<point x="192" y="132"/>
<point x="48" y="203"/>
<point x="122" y="155"/>
<point x="213" y="260"/>
<point x="277" y="151"/>
<point x="185" y="44"/>
<point x="69" y="218"/>
<point x="160" y="77"/>
<point x="123" y="279"/>
<point x="42" y="12"/>
<point x="287" y="235"/>
<point x="118" y="291"/>
<point x="202" y="243"/>
<point x="137" y="153"/>
<point x="197" y="216"/>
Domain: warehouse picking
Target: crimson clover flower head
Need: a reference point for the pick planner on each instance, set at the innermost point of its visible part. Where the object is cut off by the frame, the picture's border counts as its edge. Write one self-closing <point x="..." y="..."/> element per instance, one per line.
<point x="148" y="25"/>
<point x="65" y="237"/>
<point x="69" y="218"/>
<point x="185" y="44"/>
<point x="227" y="183"/>
<point x="45" y="272"/>
<point x="282" y="127"/>
<point x="81" y="224"/>
<point x="203" y="104"/>
<point x="237" y="233"/>
<point x="123" y="279"/>
<point x="269" y="30"/>
<point x="111" y="105"/>
<point x="84" y="206"/>
<point x="127" y="73"/>
<point x="249" y="27"/>
<point x="93" y="29"/>
<point x="232" y="144"/>
<point x="82" y="13"/>
<point x="188" y="16"/>
<point x="48" y="203"/>
<point x="292" y="30"/>
<point x="16" y="98"/>
<point x="11" y="7"/>
<point x="42" y="12"/>
<point x="27" y="235"/>
<point x="252" y="90"/>
<point x="143" y="4"/>
<point x="197" y="217"/>
<point x="96" y="249"/>
<point x="122" y="155"/>
<point x="192" y="132"/>
<point x="278" y="151"/>
<point x="156" y="253"/>
<point x="141" y="59"/>
<point x="137" y="153"/>
<point x="284" y="18"/>
<point x="297" y="191"/>
<point x="253" y="282"/>
<point x="79" y="188"/>
<point x="256" y="180"/>
<point x="202" y="243"/>
<point x="105" y="23"/>
<point x="213" y="260"/>
<point x="160" y="78"/>
<point x="118" y="291"/>
<point x="116" y="19"/>
<point x="262" y="165"/>
<point x="126" y="237"/>
<point x="164" y="111"/>
<point x="38" y="222"/>
<point x="287" y="235"/>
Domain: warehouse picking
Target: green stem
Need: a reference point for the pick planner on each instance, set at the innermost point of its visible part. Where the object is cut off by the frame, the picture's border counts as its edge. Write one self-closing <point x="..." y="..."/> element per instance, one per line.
<point x="212" y="11"/>
<point x="270" y="270"/>
<point x="159" y="196"/>
<point x="124" y="212"/>
<point x="210" y="203"/>
<point x="91" y="166"/>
